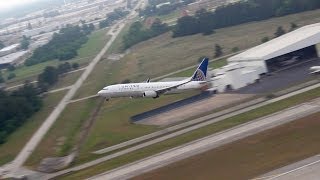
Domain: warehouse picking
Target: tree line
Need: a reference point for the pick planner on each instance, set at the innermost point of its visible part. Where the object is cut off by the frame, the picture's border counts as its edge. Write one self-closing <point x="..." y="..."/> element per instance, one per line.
<point x="16" y="107"/>
<point x="117" y="14"/>
<point x="241" y="12"/>
<point x="153" y="10"/>
<point x="138" y="33"/>
<point x="62" y="46"/>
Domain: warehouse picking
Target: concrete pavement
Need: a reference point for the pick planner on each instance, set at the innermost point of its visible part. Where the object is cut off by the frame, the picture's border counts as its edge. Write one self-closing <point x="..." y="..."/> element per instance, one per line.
<point x="13" y="167"/>
<point x="210" y="142"/>
<point x="307" y="169"/>
<point x="185" y="127"/>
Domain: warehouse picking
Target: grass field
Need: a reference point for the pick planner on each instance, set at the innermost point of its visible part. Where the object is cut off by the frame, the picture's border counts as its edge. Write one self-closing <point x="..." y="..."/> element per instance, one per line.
<point x="95" y="43"/>
<point x="117" y="45"/>
<point x="250" y="157"/>
<point x="62" y="136"/>
<point x="196" y="134"/>
<point x="17" y="140"/>
<point x="164" y="54"/>
<point x="67" y="80"/>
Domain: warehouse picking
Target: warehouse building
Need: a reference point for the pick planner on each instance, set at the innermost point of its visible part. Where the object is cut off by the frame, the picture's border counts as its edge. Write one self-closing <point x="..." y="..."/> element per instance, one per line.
<point x="245" y="68"/>
<point x="13" y="59"/>
<point x="9" y="49"/>
<point x="288" y="49"/>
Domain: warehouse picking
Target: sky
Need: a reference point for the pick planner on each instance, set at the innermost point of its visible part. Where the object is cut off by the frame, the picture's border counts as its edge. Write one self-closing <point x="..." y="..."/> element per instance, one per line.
<point x="10" y="4"/>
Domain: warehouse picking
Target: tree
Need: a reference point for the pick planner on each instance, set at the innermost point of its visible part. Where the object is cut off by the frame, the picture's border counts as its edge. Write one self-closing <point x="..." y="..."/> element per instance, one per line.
<point x="75" y="65"/>
<point x="91" y="27"/>
<point x="1" y="78"/>
<point x="265" y="39"/>
<point x="29" y="26"/>
<point x="11" y="67"/>
<point x="217" y="51"/>
<point x="11" y="76"/>
<point x="24" y="43"/>
<point x="235" y="49"/>
<point x="186" y="25"/>
<point x="279" y="32"/>
<point x="293" y="26"/>
<point x="63" y="68"/>
<point x="49" y="76"/>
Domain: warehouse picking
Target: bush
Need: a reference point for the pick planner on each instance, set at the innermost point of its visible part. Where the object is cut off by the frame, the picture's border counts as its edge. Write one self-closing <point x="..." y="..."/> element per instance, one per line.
<point x="11" y="76"/>
<point x="11" y="67"/>
<point x="265" y="39"/>
<point x="235" y="49"/>
<point x="75" y="65"/>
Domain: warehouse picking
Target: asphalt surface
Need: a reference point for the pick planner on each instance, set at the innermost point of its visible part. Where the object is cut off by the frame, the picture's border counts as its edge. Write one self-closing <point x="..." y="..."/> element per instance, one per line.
<point x="171" y="106"/>
<point x="307" y="169"/>
<point x="281" y="79"/>
<point x="13" y="167"/>
<point x="211" y="142"/>
<point x="185" y="127"/>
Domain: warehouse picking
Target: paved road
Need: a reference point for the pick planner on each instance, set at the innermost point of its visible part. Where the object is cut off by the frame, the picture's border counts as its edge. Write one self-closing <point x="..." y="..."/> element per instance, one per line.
<point x="308" y="169"/>
<point x="32" y="82"/>
<point x="212" y="141"/>
<point x="206" y="120"/>
<point x="14" y="166"/>
<point x="185" y="127"/>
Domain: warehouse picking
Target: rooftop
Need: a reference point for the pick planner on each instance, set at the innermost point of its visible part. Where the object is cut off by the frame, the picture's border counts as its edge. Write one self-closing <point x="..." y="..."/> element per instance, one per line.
<point x="292" y="41"/>
<point x="9" y="48"/>
<point x="12" y="57"/>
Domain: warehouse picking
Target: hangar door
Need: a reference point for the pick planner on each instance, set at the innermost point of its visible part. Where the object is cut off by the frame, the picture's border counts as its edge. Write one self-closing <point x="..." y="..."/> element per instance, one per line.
<point x="292" y="58"/>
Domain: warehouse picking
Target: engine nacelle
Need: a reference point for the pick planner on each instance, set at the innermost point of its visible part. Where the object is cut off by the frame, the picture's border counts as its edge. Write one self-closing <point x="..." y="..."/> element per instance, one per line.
<point x="151" y="94"/>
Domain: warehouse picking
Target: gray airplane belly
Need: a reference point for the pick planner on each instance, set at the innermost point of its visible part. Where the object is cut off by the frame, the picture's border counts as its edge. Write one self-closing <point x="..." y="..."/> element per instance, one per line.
<point x="127" y="94"/>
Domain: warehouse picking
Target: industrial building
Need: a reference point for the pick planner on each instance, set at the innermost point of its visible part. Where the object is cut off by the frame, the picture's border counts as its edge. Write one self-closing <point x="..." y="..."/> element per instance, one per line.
<point x="12" y="59"/>
<point x="9" y="49"/>
<point x="246" y="68"/>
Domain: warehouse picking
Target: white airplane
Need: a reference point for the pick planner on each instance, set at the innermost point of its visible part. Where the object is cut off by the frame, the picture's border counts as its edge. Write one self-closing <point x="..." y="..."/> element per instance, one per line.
<point x="315" y="70"/>
<point x="154" y="89"/>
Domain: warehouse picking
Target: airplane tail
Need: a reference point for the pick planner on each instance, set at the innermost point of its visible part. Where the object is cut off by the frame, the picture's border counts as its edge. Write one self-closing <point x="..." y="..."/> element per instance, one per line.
<point x="201" y="72"/>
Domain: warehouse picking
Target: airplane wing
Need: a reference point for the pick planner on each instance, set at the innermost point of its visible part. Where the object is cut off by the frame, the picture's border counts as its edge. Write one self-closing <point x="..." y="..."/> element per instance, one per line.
<point x="164" y="90"/>
<point x="315" y="72"/>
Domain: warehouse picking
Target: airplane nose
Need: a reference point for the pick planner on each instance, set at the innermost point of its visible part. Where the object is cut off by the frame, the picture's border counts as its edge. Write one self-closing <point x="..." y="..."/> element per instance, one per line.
<point x="100" y="93"/>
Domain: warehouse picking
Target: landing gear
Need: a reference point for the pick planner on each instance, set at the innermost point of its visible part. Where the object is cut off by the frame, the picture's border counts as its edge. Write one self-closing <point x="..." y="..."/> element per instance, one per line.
<point x="107" y="99"/>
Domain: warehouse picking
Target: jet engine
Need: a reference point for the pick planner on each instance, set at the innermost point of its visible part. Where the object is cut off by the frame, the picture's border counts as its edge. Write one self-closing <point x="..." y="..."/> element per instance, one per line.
<point x="151" y="94"/>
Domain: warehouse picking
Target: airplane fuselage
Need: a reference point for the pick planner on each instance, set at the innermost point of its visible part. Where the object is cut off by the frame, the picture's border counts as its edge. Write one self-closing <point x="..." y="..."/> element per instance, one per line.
<point x="136" y="90"/>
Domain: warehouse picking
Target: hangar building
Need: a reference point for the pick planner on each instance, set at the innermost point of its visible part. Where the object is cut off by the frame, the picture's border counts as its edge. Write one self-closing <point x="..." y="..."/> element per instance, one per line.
<point x="245" y="68"/>
<point x="293" y="47"/>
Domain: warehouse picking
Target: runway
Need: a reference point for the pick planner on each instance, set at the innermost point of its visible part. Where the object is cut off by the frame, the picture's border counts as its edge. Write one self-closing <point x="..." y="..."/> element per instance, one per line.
<point x="213" y="141"/>
<point x="308" y="169"/>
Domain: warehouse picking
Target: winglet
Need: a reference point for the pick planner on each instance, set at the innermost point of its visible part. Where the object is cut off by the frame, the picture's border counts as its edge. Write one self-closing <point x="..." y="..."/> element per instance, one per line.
<point x="201" y="72"/>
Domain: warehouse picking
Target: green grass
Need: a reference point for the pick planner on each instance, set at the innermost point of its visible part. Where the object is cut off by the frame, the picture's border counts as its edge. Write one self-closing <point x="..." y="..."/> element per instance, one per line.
<point x="95" y="43"/>
<point x="17" y="140"/>
<point x="62" y="136"/>
<point x="249" y="157"/>
<point x="171" y="16"/>
<point x="113" y="124"/>
<point x="67" y="80"/>
<point x="117" y="45"/>
<point x="196" y="134"/>
<point x="164" y="54"/>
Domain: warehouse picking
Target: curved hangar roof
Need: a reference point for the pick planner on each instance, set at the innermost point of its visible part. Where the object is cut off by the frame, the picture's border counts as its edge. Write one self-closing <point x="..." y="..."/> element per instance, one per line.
<point x="293" y="41"/>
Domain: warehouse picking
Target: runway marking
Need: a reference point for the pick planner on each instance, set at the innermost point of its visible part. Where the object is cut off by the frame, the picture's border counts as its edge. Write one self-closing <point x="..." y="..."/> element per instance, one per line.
<point x="288" y="172"/>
